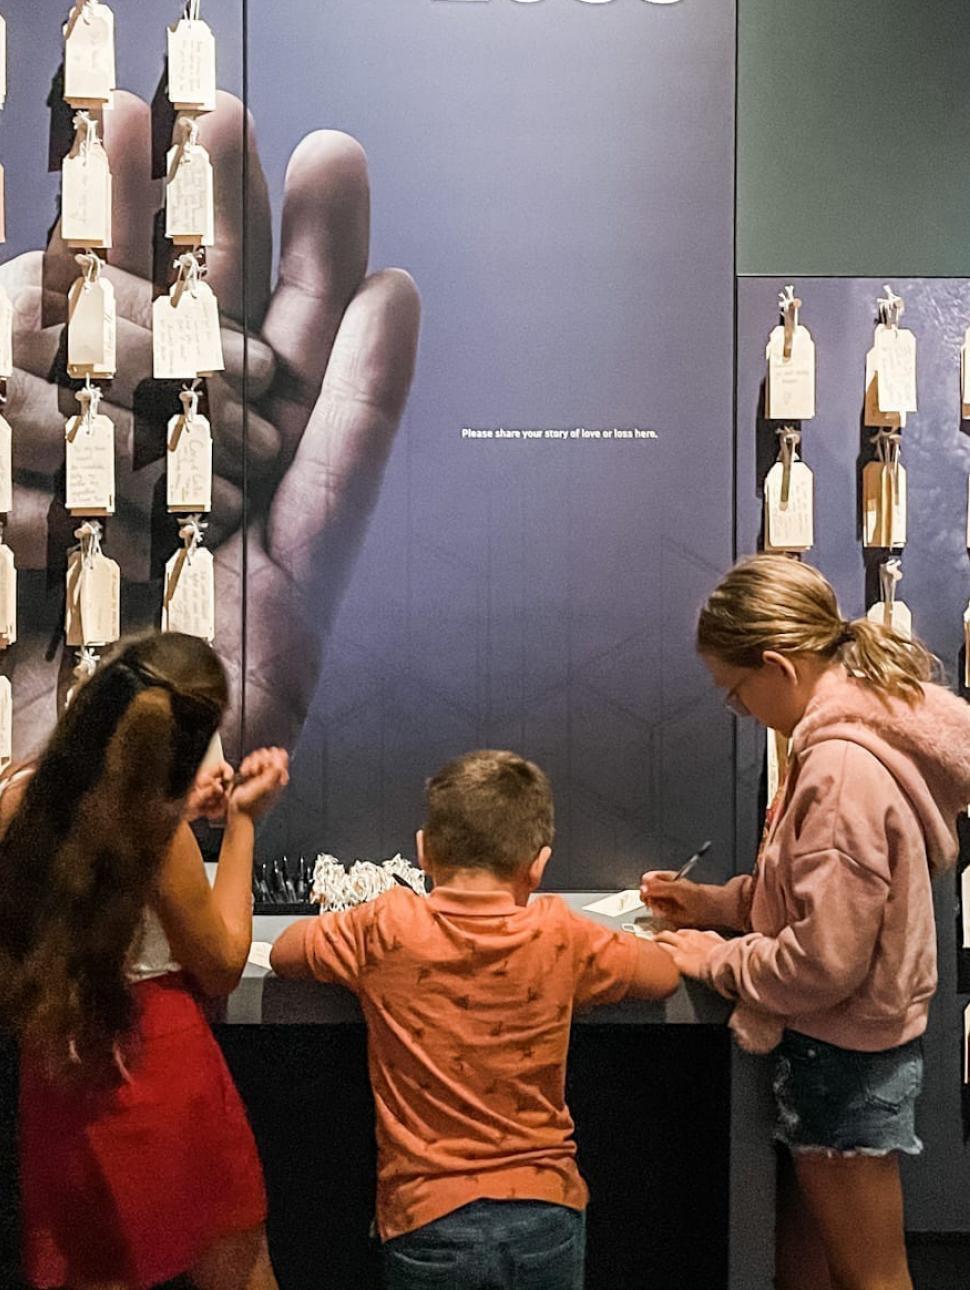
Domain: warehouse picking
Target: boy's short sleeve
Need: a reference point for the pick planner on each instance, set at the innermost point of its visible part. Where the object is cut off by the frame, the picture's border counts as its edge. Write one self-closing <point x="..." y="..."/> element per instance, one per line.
<point x="331" y="948"/>
<point x="603" y="962"/>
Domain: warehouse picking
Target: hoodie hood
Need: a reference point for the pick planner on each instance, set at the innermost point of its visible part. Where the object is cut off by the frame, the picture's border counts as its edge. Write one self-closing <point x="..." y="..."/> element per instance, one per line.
<point x="925" y="747"/>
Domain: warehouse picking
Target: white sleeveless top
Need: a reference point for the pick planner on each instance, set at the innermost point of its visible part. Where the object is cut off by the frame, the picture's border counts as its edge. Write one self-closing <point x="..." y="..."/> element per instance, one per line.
<point x="150" y="954"/>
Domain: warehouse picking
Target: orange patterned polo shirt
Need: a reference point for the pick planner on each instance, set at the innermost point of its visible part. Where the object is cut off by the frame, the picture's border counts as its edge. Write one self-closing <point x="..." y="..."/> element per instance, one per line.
<point x="468" y="1000"/>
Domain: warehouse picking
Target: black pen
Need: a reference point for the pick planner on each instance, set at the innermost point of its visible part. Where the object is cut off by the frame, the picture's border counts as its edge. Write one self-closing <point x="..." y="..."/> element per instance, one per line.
<point x="685" y="869"/>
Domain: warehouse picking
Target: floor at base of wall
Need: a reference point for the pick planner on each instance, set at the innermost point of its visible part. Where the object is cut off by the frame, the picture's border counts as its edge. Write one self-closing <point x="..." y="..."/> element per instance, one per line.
<point x="939" y="1261"/>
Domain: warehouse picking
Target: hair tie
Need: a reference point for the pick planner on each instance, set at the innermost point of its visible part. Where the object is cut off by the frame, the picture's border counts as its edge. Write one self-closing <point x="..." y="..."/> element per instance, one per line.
<point x="847" y="634"/>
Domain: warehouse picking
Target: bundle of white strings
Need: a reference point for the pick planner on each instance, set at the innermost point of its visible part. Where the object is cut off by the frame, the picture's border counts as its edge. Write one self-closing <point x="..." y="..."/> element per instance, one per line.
<point x="335" y="887"/>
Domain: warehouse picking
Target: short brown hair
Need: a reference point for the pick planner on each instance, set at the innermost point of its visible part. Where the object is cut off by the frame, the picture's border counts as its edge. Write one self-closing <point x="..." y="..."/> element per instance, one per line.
<point x="488" y="810"/>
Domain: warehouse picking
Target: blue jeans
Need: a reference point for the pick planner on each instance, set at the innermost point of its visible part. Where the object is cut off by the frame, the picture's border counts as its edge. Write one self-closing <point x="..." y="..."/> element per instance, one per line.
<point x="492" y="1245"/>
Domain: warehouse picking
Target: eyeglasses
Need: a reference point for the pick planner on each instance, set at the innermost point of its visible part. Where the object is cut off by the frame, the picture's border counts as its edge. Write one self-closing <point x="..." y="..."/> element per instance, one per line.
<point x="733" y="701"/>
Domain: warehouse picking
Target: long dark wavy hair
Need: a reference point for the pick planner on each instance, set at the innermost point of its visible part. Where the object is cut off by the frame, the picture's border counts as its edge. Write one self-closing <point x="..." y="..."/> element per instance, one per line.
<point x="80" y="856"/>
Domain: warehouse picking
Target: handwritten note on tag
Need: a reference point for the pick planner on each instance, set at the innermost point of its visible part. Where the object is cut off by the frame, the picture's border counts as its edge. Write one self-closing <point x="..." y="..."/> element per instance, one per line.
<point x="189" y="476"/>
<point x="90" y="444"/>
<point x="895" y="616"/>
<point x="895" y="355"/>
<point x="791" y="381"/>
<point x="790" y="523"/>
<point x="884" y="508"/>
<point x="8" y="598"/>
<point x="92" y="329"/>
<point x="192" y="65"/>
<point x="6" y="722"/>
<point x="186" y="337"/>
<point x="6" y="336"/>
<point x="189" y="201"/>
<point x="6" y="467"/>
<point x="93" y="614"/>
<point x="86" y="197"/>
<point x="873" y="416"/>
<point x="89" y="55"/>
<point x="189" y="599"/>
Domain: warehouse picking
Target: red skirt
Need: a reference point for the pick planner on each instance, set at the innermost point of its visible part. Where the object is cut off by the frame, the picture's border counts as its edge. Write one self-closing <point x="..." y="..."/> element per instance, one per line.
<point x="132" y="1184"/>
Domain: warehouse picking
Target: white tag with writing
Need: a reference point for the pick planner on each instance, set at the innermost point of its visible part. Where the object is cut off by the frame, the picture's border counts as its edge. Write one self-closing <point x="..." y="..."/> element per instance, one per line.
<point x="92" y="323"/>
<point x="896" y="616"/>
<point x="192" y="65"/>
<point x="189" y="200"/>
<point x="884" y="505"/>
<point x="791" y="381"/>
<point x="86" y="197"/>
<point x="189" y="482"/>
<point x="873" y="416"/>
<point x="93" y="600"/>
<point x="896" y="367"/>
<point x="8" y="597"/>
<point x="6" y="467"/>
<point x="6" y="722"/>
<point x="624" y="902"/>
<point x="186" y="337"/>
<point x="89" y="54"/>
<point x="189" y="603"/>
<point x="6" y="336"/>
<point x="90" y="466"/>
<point x="790" y="522"/>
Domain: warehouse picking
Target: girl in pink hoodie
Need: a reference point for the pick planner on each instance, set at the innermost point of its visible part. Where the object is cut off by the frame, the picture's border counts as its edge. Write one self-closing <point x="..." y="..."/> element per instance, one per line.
<point x="836" y="965"/>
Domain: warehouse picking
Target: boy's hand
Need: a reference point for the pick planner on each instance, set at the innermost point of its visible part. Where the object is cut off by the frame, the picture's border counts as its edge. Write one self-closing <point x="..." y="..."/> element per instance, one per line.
<point x="677" y="903"/>
<point x="690" y="950"/>
<point x="262" y="777"/>
<point x="209" y="795"/>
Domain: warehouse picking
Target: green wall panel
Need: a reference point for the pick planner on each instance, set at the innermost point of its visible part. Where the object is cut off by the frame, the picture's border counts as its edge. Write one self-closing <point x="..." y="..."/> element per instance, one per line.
<point x="854" y="137"/>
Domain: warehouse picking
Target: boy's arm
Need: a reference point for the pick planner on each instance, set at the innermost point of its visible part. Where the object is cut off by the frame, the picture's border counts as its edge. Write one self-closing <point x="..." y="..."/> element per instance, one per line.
<point x="330" y="948"/>
<point x="652" y="977"/>
<point x="610" y="966"/>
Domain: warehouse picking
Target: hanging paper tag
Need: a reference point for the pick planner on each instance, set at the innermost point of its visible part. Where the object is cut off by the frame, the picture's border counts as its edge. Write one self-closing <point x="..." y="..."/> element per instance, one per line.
<point x="189" y="201"/>
<point x="873" y="416"/>
<point x="6" y="467"/>
<point x="884" y="505"/>
<point x="968" y="513"/>
<point x="92" y="328"/>
<point x="791" y="381"/>
<point x="6" y="722"/>
<point x="90" y="466"/>
<point x="192" y="65"/>
<point x="896" y="616"/>
<point x="189" y="603"/>
<point x="93" y="600"/>
<point x="966" y="648"/>
<point x="89" y="54"/>
<point x="896" y="368"/>
<point x="3" y="61"/>
<point x="189" y="464"/>
<point x="186" y="338"/>
<point x="8" y="597"/>
<point x="3" y="204"/>
<point x="6" y="336"/>
<point x="789" y="523"/>
<point x="86" y="197"/>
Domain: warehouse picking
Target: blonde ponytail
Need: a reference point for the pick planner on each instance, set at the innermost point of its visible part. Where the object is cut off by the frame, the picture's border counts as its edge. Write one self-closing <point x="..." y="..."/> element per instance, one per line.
<point x="772" y="602"/>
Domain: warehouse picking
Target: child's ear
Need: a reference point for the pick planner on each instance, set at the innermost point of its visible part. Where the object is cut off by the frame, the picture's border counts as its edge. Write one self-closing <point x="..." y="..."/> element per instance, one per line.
<point x="422" y="853"/>
<point x="538" y="867"/>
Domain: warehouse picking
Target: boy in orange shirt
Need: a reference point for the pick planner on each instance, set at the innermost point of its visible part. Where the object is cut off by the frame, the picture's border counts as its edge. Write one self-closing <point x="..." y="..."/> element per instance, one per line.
<point x="468" y="997"/>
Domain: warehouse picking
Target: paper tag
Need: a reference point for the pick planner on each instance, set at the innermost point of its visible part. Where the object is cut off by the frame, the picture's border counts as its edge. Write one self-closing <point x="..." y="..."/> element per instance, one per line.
<point x="966" y="648"/>
<point x="86" y="197"/>
<point x="214" y="754"/>
<point x="189" y="201"/>
<point x="89" y="54"/>
<point x="968" y="512"/>
<point x="6" y="467"/>
<point x="6" y="722"/>
<point x="791" y="381"/>
<point x="776" y="758"/>
<point x="790" y="525"/>
<point x="189" y="464"/>
<point x="895" y="354"/>
<point x="92" y="329"/>
<point x="3" y="61"/>
<point x="93" y="600"/>
<point x="90" y="466"/>
<point x="896" y="616"/>
<point x="884" y="505"/>
<point x="189" y="600"/>
<point x="192" y="65"/>
<point x="3" y="204"/>
<point x="873" y="416"/>
<point x="8" y="597"/>
<point x="616" y="906"/>
<point x="6" y="336"/>
<point x="259" y="953"/>
<point x="186" y="338"/>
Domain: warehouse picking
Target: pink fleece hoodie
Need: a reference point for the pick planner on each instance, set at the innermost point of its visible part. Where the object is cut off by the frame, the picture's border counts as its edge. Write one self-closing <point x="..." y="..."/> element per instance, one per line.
<point x="841" y="941"/>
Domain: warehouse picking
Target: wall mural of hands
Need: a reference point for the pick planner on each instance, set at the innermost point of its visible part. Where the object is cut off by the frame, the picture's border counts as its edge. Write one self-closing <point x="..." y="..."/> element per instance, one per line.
<point x="316" y="396"/>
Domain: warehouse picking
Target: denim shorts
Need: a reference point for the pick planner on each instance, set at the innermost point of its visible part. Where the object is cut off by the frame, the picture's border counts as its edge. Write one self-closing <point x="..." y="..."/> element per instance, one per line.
<point x="492" y="1245"/>
<point x="843" y="1102"/>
